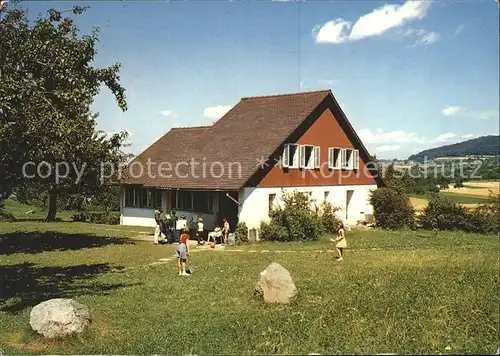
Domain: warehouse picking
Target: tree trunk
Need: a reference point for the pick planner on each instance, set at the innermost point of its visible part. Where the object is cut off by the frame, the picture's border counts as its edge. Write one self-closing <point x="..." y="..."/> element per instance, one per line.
<point x="51" y="216"/>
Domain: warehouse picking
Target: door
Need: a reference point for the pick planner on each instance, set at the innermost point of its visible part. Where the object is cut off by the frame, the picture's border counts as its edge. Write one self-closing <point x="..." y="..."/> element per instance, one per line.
<point x="228" y="208"/>
<point x="349" y="195"/>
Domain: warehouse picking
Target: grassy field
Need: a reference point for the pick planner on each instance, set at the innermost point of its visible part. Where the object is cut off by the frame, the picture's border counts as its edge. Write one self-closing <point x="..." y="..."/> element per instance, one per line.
<point x="19" y="211"/>
<point x="400" y="292"/>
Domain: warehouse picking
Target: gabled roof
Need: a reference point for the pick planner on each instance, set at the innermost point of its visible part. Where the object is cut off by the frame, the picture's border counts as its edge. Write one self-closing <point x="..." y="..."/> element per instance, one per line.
<point x="254" y="128"/>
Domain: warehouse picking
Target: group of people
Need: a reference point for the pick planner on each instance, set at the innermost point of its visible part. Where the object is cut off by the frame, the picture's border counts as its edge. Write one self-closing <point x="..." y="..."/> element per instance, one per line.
<point x="171" y="228"/>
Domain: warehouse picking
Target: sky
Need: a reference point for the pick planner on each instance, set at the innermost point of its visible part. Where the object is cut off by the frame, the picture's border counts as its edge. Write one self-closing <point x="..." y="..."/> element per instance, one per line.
<point x="409" y="75"/>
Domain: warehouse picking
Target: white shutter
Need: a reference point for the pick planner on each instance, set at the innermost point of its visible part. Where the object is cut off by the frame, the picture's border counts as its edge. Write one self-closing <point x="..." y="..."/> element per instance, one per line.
<point x="330" y="158"/>
<point x="316" y="157"/>
<point x="343" y="158"/>
<point x="286" y="155"/>
<point x="302" y="154"/>
<point x="356" y="159"/>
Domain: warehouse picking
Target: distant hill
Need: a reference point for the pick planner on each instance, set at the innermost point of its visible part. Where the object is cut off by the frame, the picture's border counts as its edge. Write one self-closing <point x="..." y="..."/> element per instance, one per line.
<point x="484" y="145"/>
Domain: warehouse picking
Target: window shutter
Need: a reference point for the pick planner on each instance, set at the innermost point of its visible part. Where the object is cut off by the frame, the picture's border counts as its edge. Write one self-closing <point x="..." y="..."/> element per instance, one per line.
<point x="286" y="155"/>
<point x="302" y="155"/>
<point x="356" y="159"/>
<point x="330" y="157"/>
<point x="343" y="157"/>
<point x="316" y="157"/>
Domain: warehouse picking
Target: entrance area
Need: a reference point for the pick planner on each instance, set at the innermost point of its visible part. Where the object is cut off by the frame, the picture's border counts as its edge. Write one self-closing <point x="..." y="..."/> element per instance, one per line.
<point x="228" y="208"/>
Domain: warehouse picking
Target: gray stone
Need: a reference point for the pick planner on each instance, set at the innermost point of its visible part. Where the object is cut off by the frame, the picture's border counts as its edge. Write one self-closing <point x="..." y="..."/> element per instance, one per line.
<point x="59" y="317"/>
<point x="276" y="285"/>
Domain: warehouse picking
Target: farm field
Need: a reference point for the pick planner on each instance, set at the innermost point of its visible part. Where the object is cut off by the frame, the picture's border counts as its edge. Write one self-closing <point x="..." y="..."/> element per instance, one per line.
<point x="472" y="194"/>
<point x="396" y="292"/>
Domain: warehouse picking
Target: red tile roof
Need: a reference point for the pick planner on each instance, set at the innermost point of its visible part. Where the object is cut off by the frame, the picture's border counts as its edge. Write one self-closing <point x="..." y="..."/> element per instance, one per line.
<point x="253" y="129"/>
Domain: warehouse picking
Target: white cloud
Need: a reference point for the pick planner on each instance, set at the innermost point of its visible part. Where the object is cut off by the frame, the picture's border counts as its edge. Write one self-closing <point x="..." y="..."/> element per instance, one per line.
<point x="423" y="37"/>
<point x="392" y="137"/>
<point x="372" y="24"/>
<point x="452" y="111"/>
<point x="387" y="148"/>
<point x="468" y="136"/>
<point x="216" y="112"/>
<point x="428" y="38"/>
<point x="445" y="137"/>
<point x="168" y="113"/>
<point x="458" y="30"/>
<point x="328" y="81"/>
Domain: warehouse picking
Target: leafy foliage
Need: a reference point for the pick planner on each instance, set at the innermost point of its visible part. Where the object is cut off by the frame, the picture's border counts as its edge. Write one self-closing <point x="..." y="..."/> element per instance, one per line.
<point x="444" y="214"/>
<point x="241" y="233"/>
<point x="392" y="209"/>
<point x="48" y="87"/>
<point x="329" y="220"/>
<point x="297" y="220"/>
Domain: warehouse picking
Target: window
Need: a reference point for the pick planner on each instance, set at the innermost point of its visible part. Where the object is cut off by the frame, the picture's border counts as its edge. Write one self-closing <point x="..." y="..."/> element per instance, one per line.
<point x="142" y="198"/>
<point x="334" y="161"/>
<point x="129" y="197"/>
<point x="272" y="198"/>
<point x="291" y="156"/>
<point x="192" y="200"/>
<point x="309" y="156"/>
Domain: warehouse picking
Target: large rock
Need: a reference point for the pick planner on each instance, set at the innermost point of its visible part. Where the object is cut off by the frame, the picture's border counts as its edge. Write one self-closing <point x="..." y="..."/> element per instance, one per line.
<point x="276" y="285"/>
<point x="59" y="317"/>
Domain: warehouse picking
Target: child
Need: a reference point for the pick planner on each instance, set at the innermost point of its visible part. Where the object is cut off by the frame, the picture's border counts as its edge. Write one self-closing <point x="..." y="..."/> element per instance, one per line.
<point x="341" y="243"/>
<point x="225" y="230"/>
<point x="199" y="231"/>
<point x="182" y="252"/>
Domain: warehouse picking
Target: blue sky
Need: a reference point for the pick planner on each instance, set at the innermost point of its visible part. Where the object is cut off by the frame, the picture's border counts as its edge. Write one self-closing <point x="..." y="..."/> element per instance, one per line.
<point x="409" y="75"/>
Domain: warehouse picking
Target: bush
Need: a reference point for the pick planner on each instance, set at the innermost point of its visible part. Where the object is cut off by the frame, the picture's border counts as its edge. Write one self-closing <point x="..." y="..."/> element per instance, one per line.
<point x="330" y="222"/>
<point x="443" y="214"/>
<point x="296" y="221"/>
<point x="392" y="209"/>
<point x="241" y="233"/>
<point x="98" y="217"/>
<point x="79" y="217"/>
<point x="488" y="215"/>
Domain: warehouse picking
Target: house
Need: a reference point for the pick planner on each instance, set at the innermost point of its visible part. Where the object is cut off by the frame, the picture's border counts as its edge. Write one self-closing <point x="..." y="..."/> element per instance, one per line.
<point x="237" y="167"/>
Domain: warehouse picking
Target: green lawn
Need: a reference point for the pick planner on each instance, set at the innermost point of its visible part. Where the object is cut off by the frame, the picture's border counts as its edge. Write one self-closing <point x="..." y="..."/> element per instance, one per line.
<point x="395" y="292"/>
<point x="19" y="211"/>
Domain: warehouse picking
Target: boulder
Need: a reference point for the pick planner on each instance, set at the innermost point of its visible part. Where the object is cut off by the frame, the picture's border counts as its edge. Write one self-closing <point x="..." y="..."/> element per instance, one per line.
<point x="276" y="285"/>
<point x="59" y="317"/>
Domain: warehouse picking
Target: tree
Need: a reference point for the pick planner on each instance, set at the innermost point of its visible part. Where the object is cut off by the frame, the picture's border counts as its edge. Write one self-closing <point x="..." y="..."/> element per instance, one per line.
<point x="47" y="87"/>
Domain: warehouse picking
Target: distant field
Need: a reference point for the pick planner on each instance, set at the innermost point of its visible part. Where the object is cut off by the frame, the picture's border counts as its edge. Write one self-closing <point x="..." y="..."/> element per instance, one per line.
<point x="419" y="202"/>
<point x="478" y="189"/>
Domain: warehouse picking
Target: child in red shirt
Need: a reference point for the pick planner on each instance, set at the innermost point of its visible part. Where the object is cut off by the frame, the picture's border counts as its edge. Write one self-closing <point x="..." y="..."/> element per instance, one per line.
<point x="182" y="252"/>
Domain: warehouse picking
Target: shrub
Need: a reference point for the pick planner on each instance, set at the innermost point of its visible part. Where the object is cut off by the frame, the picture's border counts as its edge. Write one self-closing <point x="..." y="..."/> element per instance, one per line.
<point x="392" y="209"/>
<point x="79" y="217"/>
<point x="295" y="221"/>
<point x="330" y="222"/>
<point x="113" y="218"/>
<point x="444" y="214"/>
<point x="488" y="215"/>
<point x="241" y="233"/>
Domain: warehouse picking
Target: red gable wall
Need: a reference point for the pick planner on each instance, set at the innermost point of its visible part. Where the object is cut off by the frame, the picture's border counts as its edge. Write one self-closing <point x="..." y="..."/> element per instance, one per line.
<point x="325" y="132"/>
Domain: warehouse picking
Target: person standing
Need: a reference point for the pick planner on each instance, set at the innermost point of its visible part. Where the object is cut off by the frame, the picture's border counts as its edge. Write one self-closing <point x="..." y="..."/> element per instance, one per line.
<point x="199" y="231"/>
<point x="179" y="227"/>
<point x="158" y="227"/>
<point x="225" y="230"/>
<point x="341" y="243"/>
<point x="182" y="252"/>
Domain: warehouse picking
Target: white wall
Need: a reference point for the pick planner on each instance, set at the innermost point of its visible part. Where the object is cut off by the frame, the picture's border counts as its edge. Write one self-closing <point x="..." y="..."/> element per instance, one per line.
<point x="255" y="202"/>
